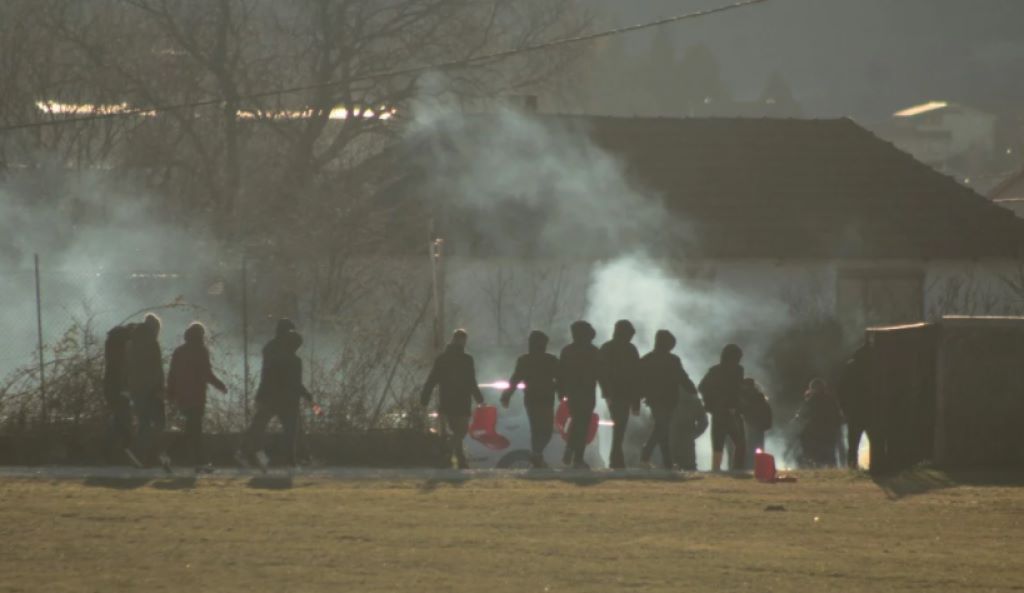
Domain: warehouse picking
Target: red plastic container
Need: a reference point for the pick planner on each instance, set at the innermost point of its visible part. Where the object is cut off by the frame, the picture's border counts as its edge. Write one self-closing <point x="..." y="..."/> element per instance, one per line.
<point x="563" y="419"/>
<point x="484" y="428"/>
<point x="764" y="467"/>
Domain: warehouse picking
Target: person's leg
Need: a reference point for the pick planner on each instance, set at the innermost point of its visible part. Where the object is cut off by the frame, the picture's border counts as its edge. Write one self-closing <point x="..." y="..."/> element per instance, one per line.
<point x="143" y="410"/>
<point x="288" y="416"/>
<point x="662" y="427"/>
<point x="853" y="435"/>
<point x="252" y="439"/>
<point x="739" y="442"/>
<point x="541" y="416"/>
<point x="458" y="426"/>
<point x="193" y="435"/>
<point x="718" y="434"/>
<point x="619" y="409"/>
<point x="578" y="428"/>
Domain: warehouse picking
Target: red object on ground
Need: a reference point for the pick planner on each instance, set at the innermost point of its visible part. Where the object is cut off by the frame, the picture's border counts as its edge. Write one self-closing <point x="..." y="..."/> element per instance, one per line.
<point x="764" y="467"/>
<point x="484" y="428"/>
<point x="563" y="418"/>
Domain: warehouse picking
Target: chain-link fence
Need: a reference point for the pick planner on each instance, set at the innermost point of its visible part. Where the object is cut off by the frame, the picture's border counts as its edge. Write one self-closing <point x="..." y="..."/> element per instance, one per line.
<point x="367" y="338"/>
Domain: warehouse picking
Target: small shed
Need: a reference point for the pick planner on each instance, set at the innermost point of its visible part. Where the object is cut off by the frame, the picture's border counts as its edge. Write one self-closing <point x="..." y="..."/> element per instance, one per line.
<point x="951" y="392"/>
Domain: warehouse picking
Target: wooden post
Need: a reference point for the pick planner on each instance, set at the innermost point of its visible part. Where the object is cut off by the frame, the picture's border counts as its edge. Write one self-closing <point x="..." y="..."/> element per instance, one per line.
<point x="245" y="338"/>
<point x="39" y="330"/>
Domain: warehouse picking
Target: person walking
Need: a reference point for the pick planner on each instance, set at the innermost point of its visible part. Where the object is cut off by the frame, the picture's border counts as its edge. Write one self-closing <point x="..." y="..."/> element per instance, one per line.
<point x="721" y="388"/>
<point x="279" y="395"/>
<point x="820" y="421"/>
<point x="538" y="370"/>
<point x="620" y="364"/>
<point x="144" y="380"/>
<point x="454" y="373"/>
<point x="663" y="379"/>
<point x="189" y="373"/>
<point x="119" y="405"/>
<point x="579" y="365"/>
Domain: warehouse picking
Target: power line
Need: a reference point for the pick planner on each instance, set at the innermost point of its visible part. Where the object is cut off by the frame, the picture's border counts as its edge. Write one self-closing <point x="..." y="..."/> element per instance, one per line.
<point x="441" y="66"/>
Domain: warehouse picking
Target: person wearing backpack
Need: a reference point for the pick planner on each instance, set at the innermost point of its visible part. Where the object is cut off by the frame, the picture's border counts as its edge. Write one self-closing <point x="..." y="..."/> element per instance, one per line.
<point x="721" y="388"/>
<point x="663" y="380"/>
<point x="757" y="418"/>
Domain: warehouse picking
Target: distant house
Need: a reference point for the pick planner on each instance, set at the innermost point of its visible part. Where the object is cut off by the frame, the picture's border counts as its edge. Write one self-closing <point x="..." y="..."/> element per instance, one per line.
<point x="809" y="214"/>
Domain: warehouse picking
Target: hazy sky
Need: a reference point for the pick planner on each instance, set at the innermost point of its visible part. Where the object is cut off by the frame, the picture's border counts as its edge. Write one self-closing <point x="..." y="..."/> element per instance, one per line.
<point x="854" y="57"/>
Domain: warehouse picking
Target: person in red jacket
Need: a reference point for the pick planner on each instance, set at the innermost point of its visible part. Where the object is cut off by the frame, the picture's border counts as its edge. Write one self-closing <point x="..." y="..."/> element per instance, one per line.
<point x="189" y="374"/>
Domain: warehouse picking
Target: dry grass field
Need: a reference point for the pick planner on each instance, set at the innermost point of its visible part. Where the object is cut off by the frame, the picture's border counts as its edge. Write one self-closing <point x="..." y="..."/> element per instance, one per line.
<point x="831" y="531"/>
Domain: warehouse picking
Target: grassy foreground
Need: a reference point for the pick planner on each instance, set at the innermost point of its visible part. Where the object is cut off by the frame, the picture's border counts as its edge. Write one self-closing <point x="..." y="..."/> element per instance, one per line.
<point x="835" y="532"/>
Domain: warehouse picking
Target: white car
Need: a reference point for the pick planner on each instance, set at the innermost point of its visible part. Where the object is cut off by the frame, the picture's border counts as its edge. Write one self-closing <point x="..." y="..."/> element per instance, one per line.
<point x="509" y="447"/>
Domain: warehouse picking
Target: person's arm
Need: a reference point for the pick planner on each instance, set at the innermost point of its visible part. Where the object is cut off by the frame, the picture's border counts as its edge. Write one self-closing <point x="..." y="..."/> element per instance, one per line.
<point x="211" y="377"/>
<point x="172" y="378"/>
<point x="428" y="387"/>
<point x="299" y="385"/>
<point x="474" y="386"/>
<point x="513" y="383"/>
<point x="685" y="382"/>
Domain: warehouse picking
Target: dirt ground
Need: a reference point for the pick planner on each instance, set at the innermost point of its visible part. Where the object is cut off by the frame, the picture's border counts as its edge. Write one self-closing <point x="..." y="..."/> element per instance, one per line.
<point x="831" y="531"/>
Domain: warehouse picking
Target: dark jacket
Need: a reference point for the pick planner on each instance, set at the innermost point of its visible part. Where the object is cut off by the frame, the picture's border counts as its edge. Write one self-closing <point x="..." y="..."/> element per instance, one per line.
<point x="820" y="420"/>
<point x="189" y="374"/>
<point x="281" y="374"/>
<point x="754" y="406"/>
<point x="455" y="375"/>
<point x="539" y="370"/>
<point x="664" y="379"/>
<point x="620" y="368"/>
<point x="721" y="388"/>
<point x="578" y="367"/>
<point x="115" y="352"/>
<point x="144" y="364"/>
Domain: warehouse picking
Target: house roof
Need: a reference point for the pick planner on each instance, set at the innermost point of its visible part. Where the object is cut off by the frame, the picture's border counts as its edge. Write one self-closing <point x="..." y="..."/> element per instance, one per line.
<point x="788" y="188"/>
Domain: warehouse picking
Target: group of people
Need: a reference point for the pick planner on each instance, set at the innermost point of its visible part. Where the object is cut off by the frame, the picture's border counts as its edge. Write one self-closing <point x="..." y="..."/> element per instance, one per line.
<point x="739" y="409"/>
<point x="627" y="380"/>
<point x="134" y="384"/>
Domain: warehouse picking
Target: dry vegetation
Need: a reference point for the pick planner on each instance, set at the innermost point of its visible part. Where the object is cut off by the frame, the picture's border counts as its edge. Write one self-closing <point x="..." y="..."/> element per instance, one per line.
<point x="923" y="532"/>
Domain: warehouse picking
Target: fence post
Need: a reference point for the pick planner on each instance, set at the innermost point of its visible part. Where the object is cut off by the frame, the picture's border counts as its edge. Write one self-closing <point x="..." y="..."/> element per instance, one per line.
<point x="245" y="338"/>
<point x="44" y="409"/>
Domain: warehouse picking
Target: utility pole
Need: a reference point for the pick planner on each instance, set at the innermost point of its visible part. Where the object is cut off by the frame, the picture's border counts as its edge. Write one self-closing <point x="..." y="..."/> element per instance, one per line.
<point x="245" y="337"/>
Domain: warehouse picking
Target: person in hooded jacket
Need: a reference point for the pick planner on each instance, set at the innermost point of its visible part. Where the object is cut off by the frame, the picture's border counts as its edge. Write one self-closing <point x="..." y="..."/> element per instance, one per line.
<point x="454" y="373"/>
<point x="689" y="422"/>
<point x="579" y="366"/>
<point x="187" y="377"/>
<point x="721" y="388"/>
<point x="619" y="379"/>
<point x="820" y="421"/>
<point x="663" y="380"/>
<point x="119" y="428"/>
<point x="279" y="394"/>
<point x="144" y="380"/>
<point x="539" y="371"/>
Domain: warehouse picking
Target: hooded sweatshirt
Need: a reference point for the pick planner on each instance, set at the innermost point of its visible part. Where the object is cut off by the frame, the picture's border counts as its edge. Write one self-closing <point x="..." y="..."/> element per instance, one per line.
<point x="190" y="372"/>
<point x="723" y="384"/>
<point x="620" y="364"/>
<point x="663" y="375"/>
<point x="455" y="375"/>
<point x="539" y="370"/>
<point x="144" y="364"/>
<point x="579" y="366"/>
